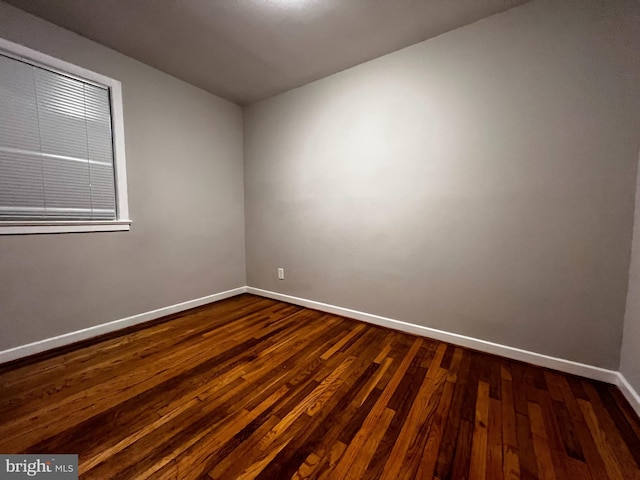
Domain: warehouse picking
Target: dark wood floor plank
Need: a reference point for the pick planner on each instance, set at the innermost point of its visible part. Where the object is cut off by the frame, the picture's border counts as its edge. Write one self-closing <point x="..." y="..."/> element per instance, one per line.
<point x="446" y="454"/>
<point x="579" y="469"/>
<point x="33" y="370"/>
<point x="342" y="342"/>
<point x="559" y="455"/>
<point x="255" y="388"/>
<point x="460" y="467"/>
<point x="526" y="453"/>
<point x="546" y="470"/>
<point x="591" y="455"/>
<point x="479" y="444"/>
<point x="288" y="461"/>
<point x="494" y="460"/>
<point x="611" y="463"/>
<point x="611" y="433"/>
<point x="401" y="402"/>
<point x="568" y="435"/>
<point x="431" y="448"/>
<point x="107" y="392"/>
<point x="168" y="440"/>
<point x="510" y="456"/>
<point x="348" y="458"/>
<point x="136" y="350"/>
<point x="347" y="414"/>
<point x="623" y="405"/>
<point x="624" y="424"/>
<point x="404" y="459"/>
<point x="192" y="462"/>
<point x="233" y="460"/>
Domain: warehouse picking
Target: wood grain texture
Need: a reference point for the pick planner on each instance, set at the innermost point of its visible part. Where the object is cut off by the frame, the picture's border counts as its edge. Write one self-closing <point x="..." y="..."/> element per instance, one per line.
<point x="254" y="388"/>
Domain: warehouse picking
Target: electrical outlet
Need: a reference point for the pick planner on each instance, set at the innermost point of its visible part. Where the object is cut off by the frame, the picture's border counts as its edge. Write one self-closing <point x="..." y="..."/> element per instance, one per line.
<point x="280" y="273"/>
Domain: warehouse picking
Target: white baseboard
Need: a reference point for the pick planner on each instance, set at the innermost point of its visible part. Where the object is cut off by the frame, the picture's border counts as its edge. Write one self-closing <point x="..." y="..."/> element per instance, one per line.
<point x="629" y="392"/>
<point x="566" y="366"/>
<point x="560" y="364"/>
<point x="85" y="333"/>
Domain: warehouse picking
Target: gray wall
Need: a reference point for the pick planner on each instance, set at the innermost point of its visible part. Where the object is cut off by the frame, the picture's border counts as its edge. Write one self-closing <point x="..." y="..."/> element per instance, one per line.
<point x="481" y="182"/>
<point x="630" y="354"/>
<point x="184" y="166"/>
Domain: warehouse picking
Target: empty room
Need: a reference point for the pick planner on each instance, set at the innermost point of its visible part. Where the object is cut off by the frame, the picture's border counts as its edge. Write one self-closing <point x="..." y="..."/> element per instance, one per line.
<point x="319" y="239"/>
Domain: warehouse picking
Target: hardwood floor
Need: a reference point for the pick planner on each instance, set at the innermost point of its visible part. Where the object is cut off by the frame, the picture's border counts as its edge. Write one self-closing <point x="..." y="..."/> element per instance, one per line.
<point x="254" y="388"/>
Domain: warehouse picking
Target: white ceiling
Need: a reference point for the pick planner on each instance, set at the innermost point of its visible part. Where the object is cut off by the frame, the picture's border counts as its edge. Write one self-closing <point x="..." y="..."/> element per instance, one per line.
<point x="248" y="50"/>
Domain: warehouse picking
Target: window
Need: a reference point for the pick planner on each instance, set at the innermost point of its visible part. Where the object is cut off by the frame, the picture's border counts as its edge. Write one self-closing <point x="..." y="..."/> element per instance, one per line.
<point x="62" y="165"/>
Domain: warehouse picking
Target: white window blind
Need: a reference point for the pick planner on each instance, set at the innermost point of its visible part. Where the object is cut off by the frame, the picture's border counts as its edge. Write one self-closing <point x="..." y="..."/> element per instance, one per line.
<point x="56" y="146"/>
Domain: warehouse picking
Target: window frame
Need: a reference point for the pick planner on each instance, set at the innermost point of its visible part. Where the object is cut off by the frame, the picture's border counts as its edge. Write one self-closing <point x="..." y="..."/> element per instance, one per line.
<point x="122" y="221"/>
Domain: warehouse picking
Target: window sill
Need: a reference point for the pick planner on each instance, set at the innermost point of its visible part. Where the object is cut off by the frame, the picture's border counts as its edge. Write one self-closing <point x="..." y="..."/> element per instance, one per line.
<point x="26" y="228"/>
